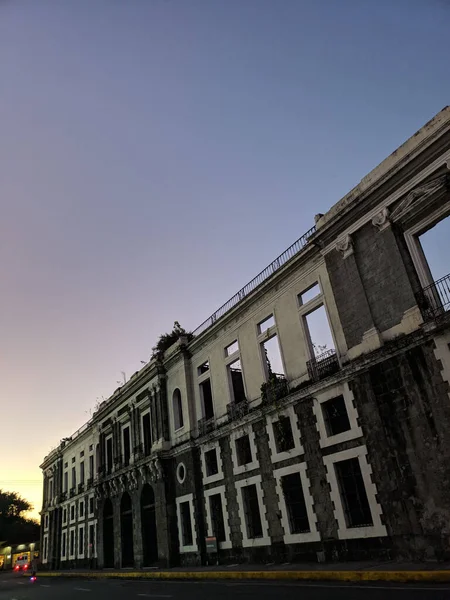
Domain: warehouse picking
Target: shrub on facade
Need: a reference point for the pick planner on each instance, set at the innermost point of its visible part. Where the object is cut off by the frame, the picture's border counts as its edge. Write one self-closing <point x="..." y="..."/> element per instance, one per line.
<point x="166" y="340"/>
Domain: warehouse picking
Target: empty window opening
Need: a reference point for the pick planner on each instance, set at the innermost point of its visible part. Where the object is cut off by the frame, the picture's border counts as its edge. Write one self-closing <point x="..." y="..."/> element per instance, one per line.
<point x="295" y="503"/>
<point x="109" y="455"/>
<point x="243" y="450"/>
<point x="126" y="446"/>
<point x="353" y="493"/>
<point x="82" y="454"/>
<point x="177" y="410"/>
<point x="81" y="540"/>
<point x="319" y="332"/>
<point x="64" y="516"/>
<point x="335" y="416"/>
<point x="236" y="381"/>
<point x="74" y="477"/>
<point x="217" y="520"/>
<point x="91" y="506"/>
<point x="186" y="524"/>
<point x="203" y="368"/>
<point x="309" y="294"/>
<point x="64" y="545"/>
<point x="207" y="399"/>
<point x="266" y="324"/>
<point x="82" y="474"/>
<point x="251" y="512"/>
<point x="211" y="464"/>
<point x="232" y="348"/>
<point x="273" y="363"/>
<point x="51" y="489"/>
<point x="436" y="247"/>
<point x="284" y="437"/>
<point x="66" y="481"/>
<point x="147" y="432"/>
<point x="73" y="459"/>
<point x="81" y="509"/>
<point x="72" y="512"/>
<point x="92" y="540"/>
<point x="72" y="543"/>
<point x="91" y="466"/>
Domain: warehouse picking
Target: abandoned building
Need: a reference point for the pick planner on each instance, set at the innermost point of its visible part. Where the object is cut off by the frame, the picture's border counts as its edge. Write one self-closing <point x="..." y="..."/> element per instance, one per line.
<point x="307" y="419"/>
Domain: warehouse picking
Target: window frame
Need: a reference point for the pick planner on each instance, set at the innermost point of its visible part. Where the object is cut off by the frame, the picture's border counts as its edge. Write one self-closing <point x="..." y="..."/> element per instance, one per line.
<point x="219" y="490"/>
<point x="345" y="532"/>
<point x="254" y="464"/>
<point x="298" y="449"/>
<point x="329" y="393"/>
<point x="247" y="542"/>
<point x="181" y="427"/>
<point x="296" y="538"/>
<point x="203" y="450"/>
<point x="64" y="555"/>
<point x="81" y="554"/>
<point x="194" y="546"/>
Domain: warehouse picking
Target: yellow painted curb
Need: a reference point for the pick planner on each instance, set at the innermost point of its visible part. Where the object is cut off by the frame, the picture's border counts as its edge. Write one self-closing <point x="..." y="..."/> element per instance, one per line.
<point x="349" y="576"/>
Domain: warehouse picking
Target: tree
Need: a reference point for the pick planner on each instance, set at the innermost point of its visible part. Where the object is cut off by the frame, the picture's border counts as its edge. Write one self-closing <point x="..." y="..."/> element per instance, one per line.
<point x="14" y="526"/>
<point x="168" y="339"/>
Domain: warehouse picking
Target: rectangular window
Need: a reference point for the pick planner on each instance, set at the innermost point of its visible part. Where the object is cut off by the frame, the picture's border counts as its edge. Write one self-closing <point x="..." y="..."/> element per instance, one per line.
<point x="212" y="467"/>
<point x="203" y="368"/>
<point x="82" y="454"/>
<point x="91" y="506"/>
<point x="64" y="545"/>
<point x="45" y="548"/>
<point x="46" y="522"/>
<point x="92" y="540"/>
<point x="186" y="524"/>
<point x="295" y="503"/>
<point x="72" y="512"/>
<point x="236" y="382"/>
<point x="319" y="331"/>
<point x="217" y="520"/>
<point x="81" y="540"/>
<point x="232" y="348"/>
<point x="74" y="478"/>
<point x="266" y="324"/>
<point x="82" y="472"/>
<point x="284" y="437"/>
<point x="73" y="459"/>
<point x="66" y="482"/>
<point x="64" y="516"/>
<point x="309" y="294"/>
<point x="91" y="447"/>
<point x="81" y="509"/>
<point x="335" y="416"/>
<point x="177" y="410"/>
<point x="72" y="543"/>
<point x="273" y="363"/>
<point x="91" y="466"/>
<point x="147" y="434"/>
<point x="51" y="489"/>
<point x="251" y="512"/>
<point x="353" y="493"/>
<point x="66" y="464"/>
<point x="207" y="399"/>
<point x="109" y="454"/>
<point x="243" y="450"/>
<point x="126" y="446"/>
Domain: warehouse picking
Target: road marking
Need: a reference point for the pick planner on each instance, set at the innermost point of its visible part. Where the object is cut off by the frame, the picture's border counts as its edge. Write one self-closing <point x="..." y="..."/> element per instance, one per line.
<point x="155" y="596"/>
<point x="82" y="589"/>
<point x="21" y="582"/>
<point x="44" y="585"/>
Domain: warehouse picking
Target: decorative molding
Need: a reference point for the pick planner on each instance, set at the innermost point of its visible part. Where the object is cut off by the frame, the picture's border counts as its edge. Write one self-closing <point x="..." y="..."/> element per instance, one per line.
<point x="345" y="245"/>
<point x="381" y="220"/>
<point x="418" y="196"/>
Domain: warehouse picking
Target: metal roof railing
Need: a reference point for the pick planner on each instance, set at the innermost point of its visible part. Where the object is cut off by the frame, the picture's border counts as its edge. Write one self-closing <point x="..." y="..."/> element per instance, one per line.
<point x="257" y="281"/>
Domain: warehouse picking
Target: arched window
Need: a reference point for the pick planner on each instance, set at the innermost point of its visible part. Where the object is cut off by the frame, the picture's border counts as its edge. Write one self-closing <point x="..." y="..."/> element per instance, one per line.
<point x="177" y="410"/>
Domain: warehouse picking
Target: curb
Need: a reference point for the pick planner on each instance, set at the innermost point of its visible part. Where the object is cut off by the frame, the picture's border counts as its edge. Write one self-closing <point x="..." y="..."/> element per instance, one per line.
<point x="346" y="576"/>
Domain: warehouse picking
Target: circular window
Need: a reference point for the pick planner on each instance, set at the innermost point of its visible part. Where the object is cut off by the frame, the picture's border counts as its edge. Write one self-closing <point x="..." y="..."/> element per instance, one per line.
<point x="181" y="472"/>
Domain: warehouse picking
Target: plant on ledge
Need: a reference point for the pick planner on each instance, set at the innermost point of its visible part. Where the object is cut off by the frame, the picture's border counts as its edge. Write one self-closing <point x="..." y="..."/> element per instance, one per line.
<point x="275" y="388"/>
<point x="166" y="340"/>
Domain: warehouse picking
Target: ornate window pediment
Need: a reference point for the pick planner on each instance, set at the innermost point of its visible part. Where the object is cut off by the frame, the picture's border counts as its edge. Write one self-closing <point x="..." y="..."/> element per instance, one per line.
<point x="418" y="197"/>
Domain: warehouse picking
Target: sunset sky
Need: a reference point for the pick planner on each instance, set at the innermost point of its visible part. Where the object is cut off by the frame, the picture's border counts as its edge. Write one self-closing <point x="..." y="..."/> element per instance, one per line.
<point x="155" y="155"/>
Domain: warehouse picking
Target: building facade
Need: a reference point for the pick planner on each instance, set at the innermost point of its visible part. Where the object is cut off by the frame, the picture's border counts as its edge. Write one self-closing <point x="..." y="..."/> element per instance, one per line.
<point x="305" y="420"/>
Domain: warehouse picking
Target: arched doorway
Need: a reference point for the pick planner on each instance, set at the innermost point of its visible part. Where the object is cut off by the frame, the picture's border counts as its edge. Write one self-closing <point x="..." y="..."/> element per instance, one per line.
<point x="148" y="517"/>
<point x="126" y="531"/>
<point x="108" y="534"/>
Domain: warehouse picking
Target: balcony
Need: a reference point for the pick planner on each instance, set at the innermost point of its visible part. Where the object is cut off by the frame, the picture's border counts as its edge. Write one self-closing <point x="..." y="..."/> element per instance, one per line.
<point x="323" y="365"/>
<point x="206" y="425"/>
<point x="435" y="298"/>
<point x="237" y="410"/>
<point x="72" y="492"/>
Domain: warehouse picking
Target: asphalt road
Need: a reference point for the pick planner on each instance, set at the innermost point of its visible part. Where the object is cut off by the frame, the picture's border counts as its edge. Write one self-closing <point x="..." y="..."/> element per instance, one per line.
<point x="15" y="587"/>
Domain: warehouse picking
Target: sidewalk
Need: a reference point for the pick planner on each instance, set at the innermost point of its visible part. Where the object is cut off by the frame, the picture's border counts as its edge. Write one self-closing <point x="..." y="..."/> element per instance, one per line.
<point x="347" y="572"/>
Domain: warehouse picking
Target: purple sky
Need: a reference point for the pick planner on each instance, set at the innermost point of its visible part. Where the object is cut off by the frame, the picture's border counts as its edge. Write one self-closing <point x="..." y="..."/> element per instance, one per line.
<point x="155" y="155"/>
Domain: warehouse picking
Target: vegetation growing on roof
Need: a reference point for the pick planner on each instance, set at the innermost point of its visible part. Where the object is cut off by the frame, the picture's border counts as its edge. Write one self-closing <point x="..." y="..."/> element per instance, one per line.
<point x="166" y="340"/>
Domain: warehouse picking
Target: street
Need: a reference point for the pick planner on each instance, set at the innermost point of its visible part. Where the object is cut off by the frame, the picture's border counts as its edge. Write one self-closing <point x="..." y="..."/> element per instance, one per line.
<point x="14" y="587"/>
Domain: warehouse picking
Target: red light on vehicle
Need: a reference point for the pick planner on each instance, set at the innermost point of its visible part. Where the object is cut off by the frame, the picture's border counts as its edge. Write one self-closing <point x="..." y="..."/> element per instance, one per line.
<point x="25" y="567"/>
<point x="16" y="568"/>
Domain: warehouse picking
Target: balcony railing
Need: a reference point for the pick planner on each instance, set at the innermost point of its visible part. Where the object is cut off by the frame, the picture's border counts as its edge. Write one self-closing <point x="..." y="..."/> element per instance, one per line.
<point x="206" y="425"/>
<point x="322" y="366"/>
<point x="435" y="298"/>
<point x="237" y="410"/>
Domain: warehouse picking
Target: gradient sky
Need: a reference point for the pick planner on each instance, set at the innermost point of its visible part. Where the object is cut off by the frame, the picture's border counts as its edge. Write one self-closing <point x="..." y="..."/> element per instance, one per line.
<point x="155" y="155"/>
